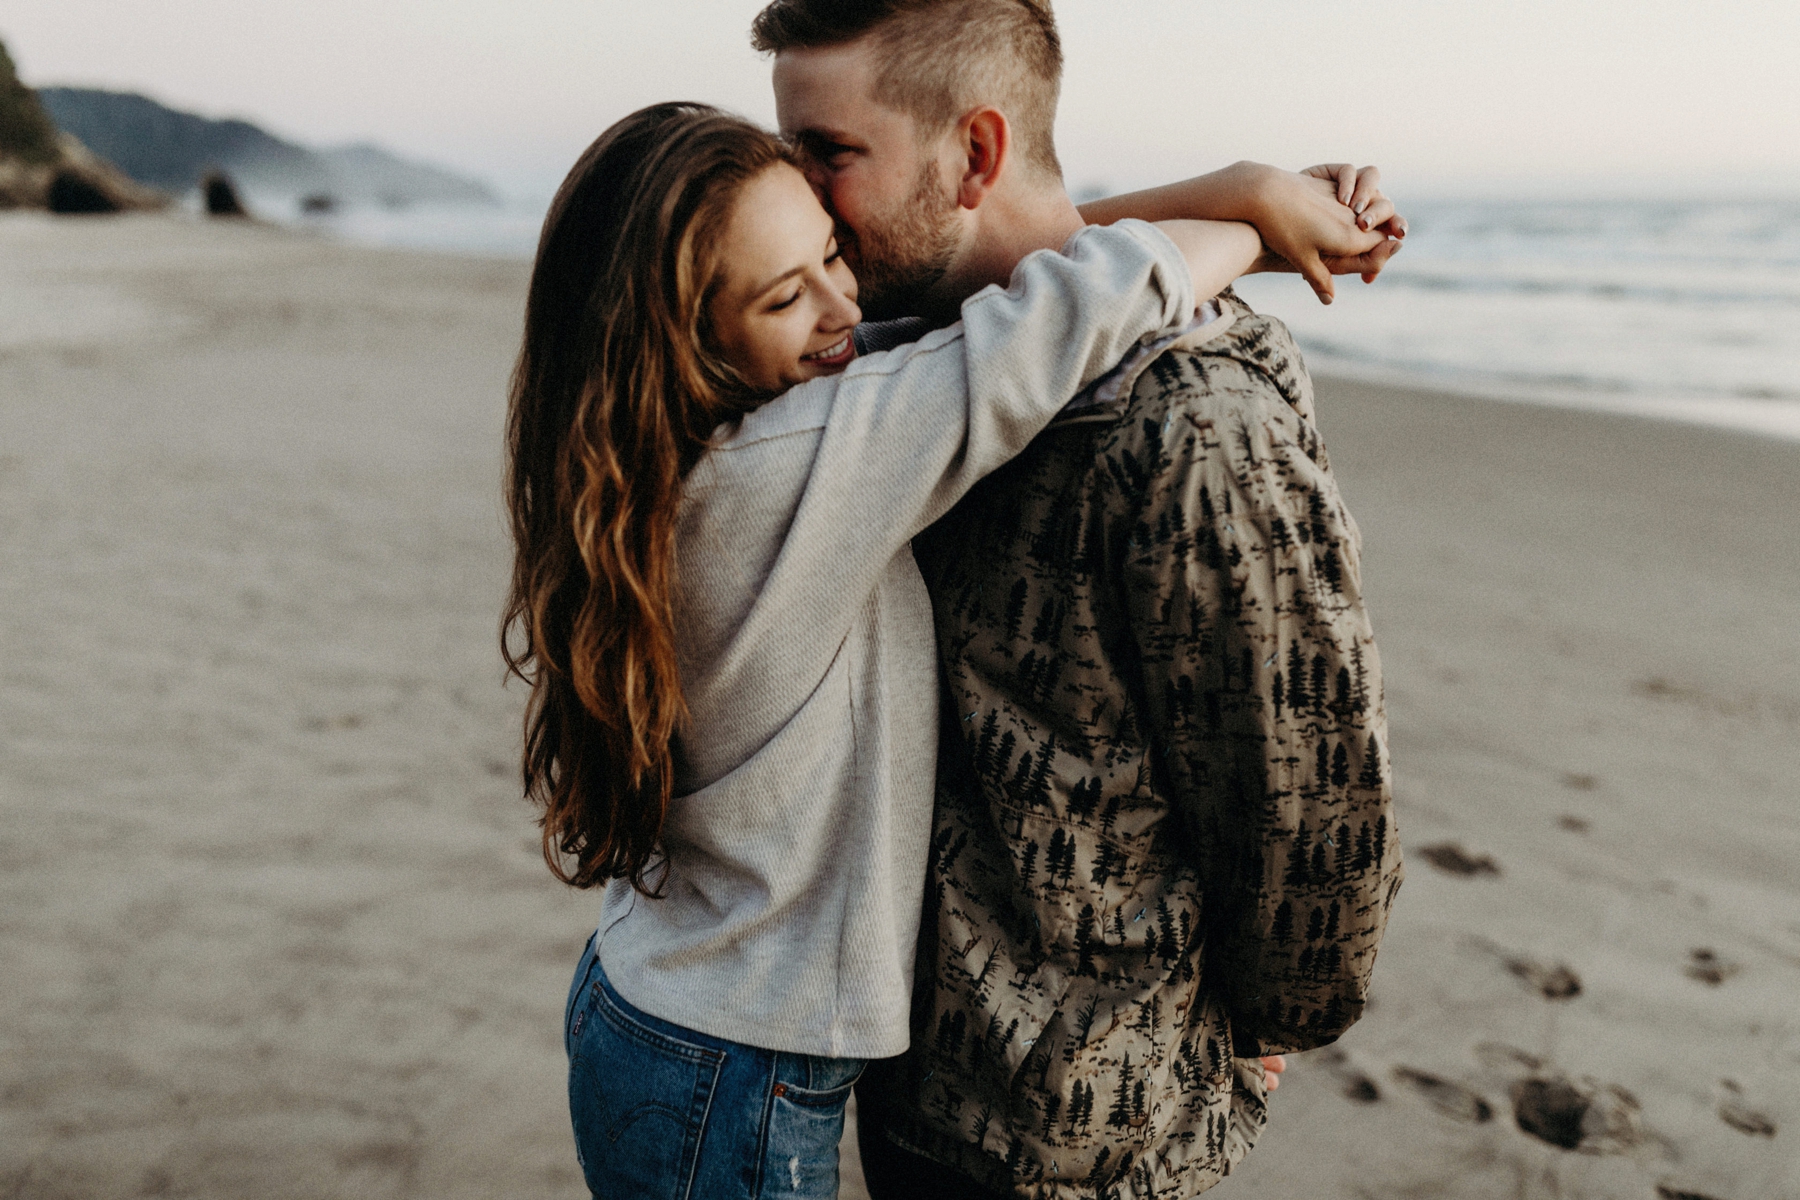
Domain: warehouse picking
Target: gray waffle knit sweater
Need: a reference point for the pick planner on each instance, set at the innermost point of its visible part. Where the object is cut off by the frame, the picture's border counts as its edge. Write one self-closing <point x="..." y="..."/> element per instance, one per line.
<point x="796" y="849"/>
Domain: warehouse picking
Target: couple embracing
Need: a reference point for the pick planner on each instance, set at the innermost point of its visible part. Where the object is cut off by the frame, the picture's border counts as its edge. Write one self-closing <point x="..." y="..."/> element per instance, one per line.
<point x="944" y="632"/>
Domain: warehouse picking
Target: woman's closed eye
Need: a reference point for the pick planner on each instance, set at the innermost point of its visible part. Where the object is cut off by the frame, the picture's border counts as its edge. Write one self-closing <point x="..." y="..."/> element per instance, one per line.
<point x="832" y="254"/>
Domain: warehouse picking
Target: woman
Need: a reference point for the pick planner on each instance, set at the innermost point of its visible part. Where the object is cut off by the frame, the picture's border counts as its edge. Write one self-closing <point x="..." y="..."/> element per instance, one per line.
<point x="732" y="717"/>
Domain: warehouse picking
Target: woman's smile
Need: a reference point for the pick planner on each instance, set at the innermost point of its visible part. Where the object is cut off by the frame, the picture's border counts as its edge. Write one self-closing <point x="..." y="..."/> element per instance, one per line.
<point x="838" y="354"/>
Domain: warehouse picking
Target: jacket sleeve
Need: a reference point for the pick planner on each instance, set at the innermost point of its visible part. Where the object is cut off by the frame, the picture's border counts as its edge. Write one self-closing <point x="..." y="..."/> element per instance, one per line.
<point x="1262" y="690"/>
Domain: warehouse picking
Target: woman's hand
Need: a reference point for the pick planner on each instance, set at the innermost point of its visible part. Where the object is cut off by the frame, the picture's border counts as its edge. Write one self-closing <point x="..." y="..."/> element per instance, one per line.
<point x="1360" y="190"/>
<point x="1308" y="220"/>
<point x="1308" y="228"/>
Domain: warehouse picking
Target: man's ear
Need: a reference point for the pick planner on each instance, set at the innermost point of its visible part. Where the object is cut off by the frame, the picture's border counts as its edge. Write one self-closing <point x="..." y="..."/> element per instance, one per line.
<point x="986" y="137"/>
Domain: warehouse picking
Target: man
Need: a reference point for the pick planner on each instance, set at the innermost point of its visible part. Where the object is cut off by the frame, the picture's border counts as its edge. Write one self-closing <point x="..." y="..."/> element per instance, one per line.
<point x="1163" y="843"/>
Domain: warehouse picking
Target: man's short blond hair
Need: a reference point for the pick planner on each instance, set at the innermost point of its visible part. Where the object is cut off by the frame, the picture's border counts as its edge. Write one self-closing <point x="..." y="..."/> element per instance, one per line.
<point x="938" y="59"/>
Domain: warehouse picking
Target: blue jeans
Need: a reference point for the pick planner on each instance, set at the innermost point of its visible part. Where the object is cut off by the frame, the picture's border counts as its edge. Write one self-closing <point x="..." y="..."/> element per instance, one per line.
<point x="665" y="1113"/>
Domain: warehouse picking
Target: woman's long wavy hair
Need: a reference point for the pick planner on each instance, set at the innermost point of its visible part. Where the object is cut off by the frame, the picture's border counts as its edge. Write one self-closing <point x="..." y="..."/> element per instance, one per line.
<point x="614" y="397"/>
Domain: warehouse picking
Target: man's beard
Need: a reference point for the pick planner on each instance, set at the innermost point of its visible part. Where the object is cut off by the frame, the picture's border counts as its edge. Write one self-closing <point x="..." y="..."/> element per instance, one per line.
<point x="898" y="261"/>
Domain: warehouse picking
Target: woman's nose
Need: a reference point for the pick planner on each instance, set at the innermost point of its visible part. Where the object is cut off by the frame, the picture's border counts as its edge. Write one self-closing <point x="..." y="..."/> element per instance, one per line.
<point x="843" y="312"/>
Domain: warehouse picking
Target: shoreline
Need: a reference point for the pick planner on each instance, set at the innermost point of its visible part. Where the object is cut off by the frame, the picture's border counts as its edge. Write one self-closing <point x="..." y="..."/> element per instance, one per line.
<point x="1772" y="417"/>
<point x="1777" y="418"/>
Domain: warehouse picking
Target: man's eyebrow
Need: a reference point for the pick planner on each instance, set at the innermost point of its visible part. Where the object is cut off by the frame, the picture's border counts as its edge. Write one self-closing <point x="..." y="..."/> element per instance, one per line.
<point x="814" y="136"/>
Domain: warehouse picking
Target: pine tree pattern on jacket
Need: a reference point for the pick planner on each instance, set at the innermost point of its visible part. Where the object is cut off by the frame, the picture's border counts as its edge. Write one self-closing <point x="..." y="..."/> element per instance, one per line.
<point x="1164" y="842"/>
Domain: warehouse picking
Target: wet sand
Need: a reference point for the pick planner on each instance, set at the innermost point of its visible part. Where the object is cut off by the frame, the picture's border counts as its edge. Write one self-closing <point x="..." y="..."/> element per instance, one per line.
<point x="1590" y="628"/>
<point x="273" y="921"/>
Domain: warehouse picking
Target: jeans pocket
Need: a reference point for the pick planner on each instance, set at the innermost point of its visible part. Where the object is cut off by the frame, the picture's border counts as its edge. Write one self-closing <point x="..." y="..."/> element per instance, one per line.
<point x="828" y="1082"/>
<point x="638" y="1098"/>
<point x="805" y="1126"/>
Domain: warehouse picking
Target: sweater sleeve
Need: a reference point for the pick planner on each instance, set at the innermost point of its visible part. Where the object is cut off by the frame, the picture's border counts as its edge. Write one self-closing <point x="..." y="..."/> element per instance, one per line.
<point x="1263" y="692"/>
<point x="909" y="431"/>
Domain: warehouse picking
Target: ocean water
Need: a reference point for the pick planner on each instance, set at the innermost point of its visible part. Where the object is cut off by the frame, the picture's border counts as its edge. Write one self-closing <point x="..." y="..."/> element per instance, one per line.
<point x="1684" y="309"/>
<point x="508" y="230"/>
<point x="1687" y="309"/>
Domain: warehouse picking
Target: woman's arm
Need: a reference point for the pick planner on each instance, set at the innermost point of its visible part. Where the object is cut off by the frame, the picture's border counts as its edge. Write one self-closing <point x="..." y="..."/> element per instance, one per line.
<point x="921" y="424"/>
<point x="834" y="477"/>
<point x="1217" y="252"/>
<point x="1329" y="220"/>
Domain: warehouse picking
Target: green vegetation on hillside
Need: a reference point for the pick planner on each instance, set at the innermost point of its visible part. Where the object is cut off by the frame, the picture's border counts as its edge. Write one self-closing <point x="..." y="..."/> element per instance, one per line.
<point x="26" y="133"/>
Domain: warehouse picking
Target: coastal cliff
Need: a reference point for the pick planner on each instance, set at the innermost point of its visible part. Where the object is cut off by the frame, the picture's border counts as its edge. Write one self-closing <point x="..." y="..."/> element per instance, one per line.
<point x="42" y="167"/>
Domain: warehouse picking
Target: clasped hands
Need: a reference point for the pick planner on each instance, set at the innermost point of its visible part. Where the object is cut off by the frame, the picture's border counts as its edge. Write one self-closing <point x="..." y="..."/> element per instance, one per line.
<point x="1327" y="220"/>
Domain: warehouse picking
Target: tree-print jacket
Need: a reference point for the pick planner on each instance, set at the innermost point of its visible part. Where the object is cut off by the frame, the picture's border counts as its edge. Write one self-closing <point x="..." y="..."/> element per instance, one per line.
<point x="1164" y="843"/>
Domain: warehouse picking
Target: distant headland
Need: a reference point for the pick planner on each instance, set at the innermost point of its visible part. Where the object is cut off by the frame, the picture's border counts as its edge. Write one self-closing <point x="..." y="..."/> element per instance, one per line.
<point x="91" y="150"/>
<point x="169" y="149"/>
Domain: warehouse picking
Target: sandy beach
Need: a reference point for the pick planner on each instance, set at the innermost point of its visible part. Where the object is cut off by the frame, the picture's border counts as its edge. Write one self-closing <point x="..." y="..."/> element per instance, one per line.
<point x="274" y="922"/>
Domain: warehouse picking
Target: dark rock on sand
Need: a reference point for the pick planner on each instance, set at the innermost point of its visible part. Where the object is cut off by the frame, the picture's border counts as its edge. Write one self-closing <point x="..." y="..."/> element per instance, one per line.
<point x="1453" y="859"/>
<point x="73" y="192"/>
<point x="1447" y="1096"/>
<point x="221" y="196"/>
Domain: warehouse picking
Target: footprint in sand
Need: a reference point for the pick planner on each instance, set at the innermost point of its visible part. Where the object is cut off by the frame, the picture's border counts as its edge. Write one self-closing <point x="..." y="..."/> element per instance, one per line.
<point x="1353" y="1083"/>
<point x="1452" y="859"/>
<point x="1746" y="1120"/>
<point x="1448" y="1097"/>
<point x="1498" y="1056"/>
<point x="1706" y="966"/>
<point x="1741" y="1117"/>
<point x="1554" y="981"/>
<point x="1550" y="1110"/>
<point x="327" y="724"/>
<point x="1669" y="1191"/>
<point x="1572" y="1116"/>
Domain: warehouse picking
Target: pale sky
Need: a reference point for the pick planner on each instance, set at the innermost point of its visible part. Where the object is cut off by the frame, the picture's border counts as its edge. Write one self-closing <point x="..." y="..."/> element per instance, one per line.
<point x="1583" y="95"/>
